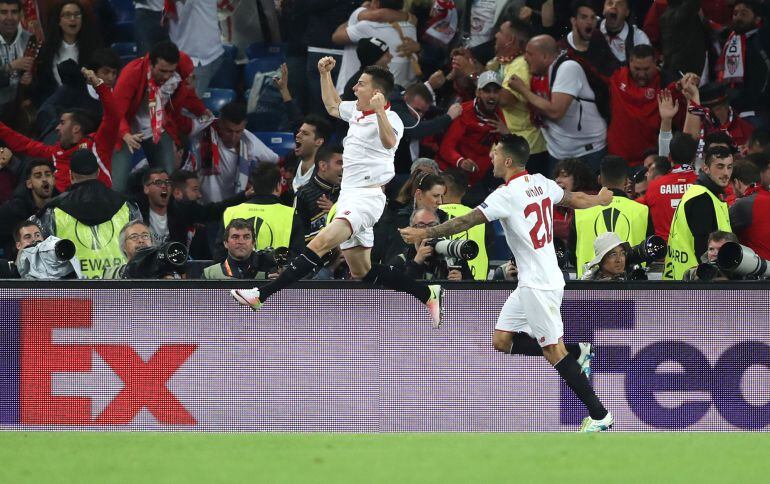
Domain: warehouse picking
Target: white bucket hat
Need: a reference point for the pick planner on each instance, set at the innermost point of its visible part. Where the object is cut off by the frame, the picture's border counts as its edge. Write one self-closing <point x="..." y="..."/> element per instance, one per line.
<point x="603" y="244"/>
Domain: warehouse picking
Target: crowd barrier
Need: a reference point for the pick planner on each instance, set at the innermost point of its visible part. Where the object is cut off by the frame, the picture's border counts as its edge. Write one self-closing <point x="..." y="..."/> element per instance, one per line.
<point x="164" y="355"/>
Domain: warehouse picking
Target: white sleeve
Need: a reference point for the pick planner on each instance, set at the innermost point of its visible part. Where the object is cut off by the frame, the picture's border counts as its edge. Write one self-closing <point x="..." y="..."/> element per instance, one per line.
<point x="570" y="79"/>
<point x="496" y="206"/>
<point x="353" y="19"/>
<point x="360" y="30"/>
<point x="347" y="110"/>
<point x="260" y="151"/>
<point x="555" y="192"/>
<point x="640" y="38"/>
<point x="398" y="125"/>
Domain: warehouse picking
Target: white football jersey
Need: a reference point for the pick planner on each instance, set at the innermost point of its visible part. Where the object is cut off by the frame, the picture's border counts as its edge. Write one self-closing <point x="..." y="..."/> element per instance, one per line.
<point x="365" y="162"/>
<point x="524" y="207"/>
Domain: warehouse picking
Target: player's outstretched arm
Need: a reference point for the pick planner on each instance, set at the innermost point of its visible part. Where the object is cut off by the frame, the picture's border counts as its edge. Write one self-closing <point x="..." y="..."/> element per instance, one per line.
<point x="583" y="200"/>
<point x="329" y="95"/>
<point x="413" y="235"/>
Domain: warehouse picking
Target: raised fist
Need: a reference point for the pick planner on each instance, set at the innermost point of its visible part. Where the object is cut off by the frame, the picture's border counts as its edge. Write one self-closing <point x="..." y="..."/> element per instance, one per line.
<point x="326" y="64"/>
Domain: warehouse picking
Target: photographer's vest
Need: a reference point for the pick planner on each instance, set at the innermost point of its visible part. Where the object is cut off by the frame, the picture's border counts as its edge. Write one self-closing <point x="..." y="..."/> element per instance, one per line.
<point x="272" y="222"/>
<point x="97" y="247"/>
<point x="627" y="218"/>
<point x="479" y="265"/>
<point x="680" y="255"/>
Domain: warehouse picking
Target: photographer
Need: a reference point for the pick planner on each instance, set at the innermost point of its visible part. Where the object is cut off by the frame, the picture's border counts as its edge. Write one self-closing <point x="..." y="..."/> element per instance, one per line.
<point x="242" y="261"/>
<point x="609" y="262"/>
<point x="25" y="234"/>
<point x="133" y="236"/>
<point x="708" y="270"/>
<point x="42" y="258"/>
<point x="421" y="261"/>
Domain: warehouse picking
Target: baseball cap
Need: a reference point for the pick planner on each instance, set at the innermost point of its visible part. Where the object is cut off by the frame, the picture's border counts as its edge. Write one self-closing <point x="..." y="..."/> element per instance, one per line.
<point x="83" y="162"/>
<point x="488" y="77"/>
<point x="370" y="49"/>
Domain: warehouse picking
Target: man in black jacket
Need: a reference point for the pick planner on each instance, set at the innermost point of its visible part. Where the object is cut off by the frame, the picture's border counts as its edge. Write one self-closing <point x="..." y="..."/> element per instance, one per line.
<point x="314" y="199"/>
<point x="417" y="99"/>
<point x="38" y="189"/>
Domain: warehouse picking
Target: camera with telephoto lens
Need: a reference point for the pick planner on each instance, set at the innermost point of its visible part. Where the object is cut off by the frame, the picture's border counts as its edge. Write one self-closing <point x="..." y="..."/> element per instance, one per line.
<point x="457" y="249"/>
<point x="48" y="259"/>
<point x="157" y="262"/>
<point x="741" y="262"/>
<point x="652" y="249"/>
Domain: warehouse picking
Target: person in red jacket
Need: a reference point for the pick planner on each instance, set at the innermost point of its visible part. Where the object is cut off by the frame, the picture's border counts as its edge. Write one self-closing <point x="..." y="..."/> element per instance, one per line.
<point x="76" y="131"/>
<point x="664" y="193"/>
<point x="634" y="101"/>
<point x="470" y="137"/>
<point x="151" y="93"/>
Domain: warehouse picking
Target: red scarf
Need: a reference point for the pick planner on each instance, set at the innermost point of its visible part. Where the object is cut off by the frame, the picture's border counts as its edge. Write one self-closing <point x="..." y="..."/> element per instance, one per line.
<point x="209" y="153"/>
<point x="541" y="86"/>
<point x="155" y="103"/>
<point x="731" y="66"/>
<point x="169" y="10"/>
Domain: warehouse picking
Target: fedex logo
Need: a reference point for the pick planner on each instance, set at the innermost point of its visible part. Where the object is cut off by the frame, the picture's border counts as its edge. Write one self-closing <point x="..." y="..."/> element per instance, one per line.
<point x="644" y="383"/>
<point x="29" y="359"/>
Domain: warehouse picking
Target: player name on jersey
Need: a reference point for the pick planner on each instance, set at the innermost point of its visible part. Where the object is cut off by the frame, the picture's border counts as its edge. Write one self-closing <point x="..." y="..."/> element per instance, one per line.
<point x="674" y="189"/>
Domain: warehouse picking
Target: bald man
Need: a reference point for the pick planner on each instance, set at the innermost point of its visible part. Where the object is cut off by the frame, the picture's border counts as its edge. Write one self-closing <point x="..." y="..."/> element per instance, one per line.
<point x="564" y="101"/>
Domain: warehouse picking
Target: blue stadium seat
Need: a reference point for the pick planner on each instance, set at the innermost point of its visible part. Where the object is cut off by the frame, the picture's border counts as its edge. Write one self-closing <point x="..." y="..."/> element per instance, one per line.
<point x="277" y="141"/>
<point x="258" y="50"/>
<point x="255" y="66"/>
<point x="124" y="31"/>
<point x="227" y="75"/>
<point x="214" y="99"/>
<point x="124" y="10"/>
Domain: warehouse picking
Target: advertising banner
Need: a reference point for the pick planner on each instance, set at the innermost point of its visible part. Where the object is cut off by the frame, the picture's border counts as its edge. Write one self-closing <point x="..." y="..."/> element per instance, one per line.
<point x="363" y="360"/>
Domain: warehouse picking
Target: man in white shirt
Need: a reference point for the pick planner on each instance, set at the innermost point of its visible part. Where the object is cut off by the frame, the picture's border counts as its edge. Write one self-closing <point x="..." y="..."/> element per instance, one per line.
<point x="226" y="153"/>
<point x="13" y="44"/>
<point x="530" y="321"/>
<point x="616" y="29"/>
<point x="572" y="124"/>
<point x="349" y="34"/>
<point x="311" y="135"/>
<point x="195" y="30"/>
<point x="369" y="148"/>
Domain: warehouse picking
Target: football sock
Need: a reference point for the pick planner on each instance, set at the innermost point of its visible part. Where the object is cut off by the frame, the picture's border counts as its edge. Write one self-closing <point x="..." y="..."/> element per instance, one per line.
<point x="296" y="270"/>
<point x="524" y="344"/>
<point x="569" y="371"/>
<point x="386" y="277"/>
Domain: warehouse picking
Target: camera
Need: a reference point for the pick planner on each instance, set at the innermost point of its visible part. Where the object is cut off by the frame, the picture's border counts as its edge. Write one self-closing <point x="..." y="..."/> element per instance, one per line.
<point x="157" y="262"/>
<point x="280" y="255"/>
<point x="50" y="259"/>
<point x="739" y="260"/>
<point x="458" y="249"/>
<point x="652" y="249"/>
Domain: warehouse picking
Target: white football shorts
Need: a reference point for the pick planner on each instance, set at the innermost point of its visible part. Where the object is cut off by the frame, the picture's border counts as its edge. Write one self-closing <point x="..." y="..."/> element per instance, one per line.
<point x="535" y="312"/>
<point x="361" y="208"/>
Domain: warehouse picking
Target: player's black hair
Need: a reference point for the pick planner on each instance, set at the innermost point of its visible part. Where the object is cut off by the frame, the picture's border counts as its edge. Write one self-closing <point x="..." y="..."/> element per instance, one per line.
<point x="516" y="147"/>
<point x="382" y="79"/>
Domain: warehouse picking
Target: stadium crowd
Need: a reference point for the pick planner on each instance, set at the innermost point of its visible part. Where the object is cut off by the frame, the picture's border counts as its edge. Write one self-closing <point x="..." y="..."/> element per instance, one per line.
<point x="127" y="127"/>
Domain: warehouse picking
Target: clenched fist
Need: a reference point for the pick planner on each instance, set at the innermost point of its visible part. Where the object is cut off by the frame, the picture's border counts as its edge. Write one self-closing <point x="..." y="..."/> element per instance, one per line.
<point x="326" y="64"/>
<point x="378" y="102"/>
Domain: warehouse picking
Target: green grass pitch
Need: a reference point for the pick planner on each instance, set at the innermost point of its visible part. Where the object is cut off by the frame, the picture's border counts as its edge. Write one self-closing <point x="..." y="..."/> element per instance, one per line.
<point x="194" y="457"/>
